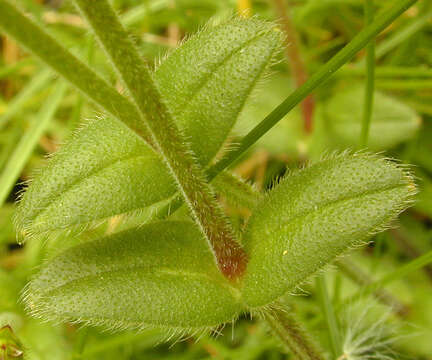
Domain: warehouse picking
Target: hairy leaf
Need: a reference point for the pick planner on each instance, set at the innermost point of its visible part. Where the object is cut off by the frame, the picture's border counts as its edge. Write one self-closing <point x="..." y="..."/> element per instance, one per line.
<point x="207" y="80"/>
<point x="105" y="170"/>
<point x="162" y="274"/>
<point x="392" y="122"/>
<point x="107" y="163"/>
<point x="315" y="214"/>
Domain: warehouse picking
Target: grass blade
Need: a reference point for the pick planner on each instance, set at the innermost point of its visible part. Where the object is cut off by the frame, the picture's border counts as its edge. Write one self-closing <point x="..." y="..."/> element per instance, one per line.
<point x="34" y="38"/>
<point x="332" y="324"/>
<point x="17" y="103"/>
<point x="402" y="35"/>
<point x="370" y="77"/>
<point x="28" y="142"/>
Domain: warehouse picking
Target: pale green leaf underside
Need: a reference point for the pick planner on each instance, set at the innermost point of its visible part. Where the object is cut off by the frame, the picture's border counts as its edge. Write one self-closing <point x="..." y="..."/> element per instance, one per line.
<point x="162" y="274"/>
<point x="107" y="170"/>
<point x="315" y="214"/>
<point x="392" y="122"/>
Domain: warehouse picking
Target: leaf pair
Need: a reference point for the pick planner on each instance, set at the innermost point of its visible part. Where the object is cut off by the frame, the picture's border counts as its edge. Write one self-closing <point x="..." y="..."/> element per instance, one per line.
<point x="163" y="274"/>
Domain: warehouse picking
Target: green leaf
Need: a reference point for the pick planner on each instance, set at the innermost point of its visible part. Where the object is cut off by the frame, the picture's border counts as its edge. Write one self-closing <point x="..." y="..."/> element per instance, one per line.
<point x="162" y="274"/>
<point x="207" y="80"/>
<point x="392" y="122"/>
<point x="314" y="215"/>
<point x="105" y="170"/>
<point x="109" y="164"/>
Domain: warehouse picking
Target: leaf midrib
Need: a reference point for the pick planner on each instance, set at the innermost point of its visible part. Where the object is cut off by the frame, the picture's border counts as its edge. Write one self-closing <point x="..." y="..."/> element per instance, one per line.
<point x="151" y="270"/>
<point x="77" y="182"/>
<point x="324" y="205"/>
<point x="201" y="84"/>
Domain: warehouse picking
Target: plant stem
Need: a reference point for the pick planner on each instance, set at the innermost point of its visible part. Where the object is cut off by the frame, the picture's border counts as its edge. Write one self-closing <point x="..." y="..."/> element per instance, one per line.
<point x="332" y="324"/>
<point x="287" y="328"/>
<point x="167" y="138"/>
<point x="370" y="77"/>
<point x="292" y="51"/>
<point x="323" y="74"/>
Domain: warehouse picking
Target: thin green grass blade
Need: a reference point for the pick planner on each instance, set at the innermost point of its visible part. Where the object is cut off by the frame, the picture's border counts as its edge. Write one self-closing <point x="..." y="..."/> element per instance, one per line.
<point x="7" y="70"/>
<point x="28" y="142"/>
<point x="370" y="78"/>
<point x="18" y="102"/>
<point x="330" y="316"/>
<point x="35" y="39"/>
<point x="136" y="14"/>
<point x="403" y="34"/>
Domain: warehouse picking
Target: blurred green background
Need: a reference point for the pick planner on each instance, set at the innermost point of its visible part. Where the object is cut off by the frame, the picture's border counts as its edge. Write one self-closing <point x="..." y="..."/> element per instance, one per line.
<point x="39" y="111"/>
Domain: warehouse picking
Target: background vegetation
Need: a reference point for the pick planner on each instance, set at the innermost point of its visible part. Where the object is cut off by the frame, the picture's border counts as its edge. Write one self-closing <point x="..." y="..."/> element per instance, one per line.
<point x="374" y="303"/>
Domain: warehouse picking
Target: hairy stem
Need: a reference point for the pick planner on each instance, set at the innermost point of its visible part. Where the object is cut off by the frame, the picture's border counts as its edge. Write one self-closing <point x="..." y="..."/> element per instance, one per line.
<point x="166" y="136"/>
<point x="370" y="77"/>
<point x="288" y="329"/>
<point x="292" y="51"/>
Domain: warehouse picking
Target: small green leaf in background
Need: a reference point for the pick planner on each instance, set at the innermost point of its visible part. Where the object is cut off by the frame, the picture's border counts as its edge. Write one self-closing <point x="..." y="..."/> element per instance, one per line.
<point x="162" y="274"/>
<point x="392" y="122"/>
<point x="287" y="136"/>
<point x="315" y="214"/>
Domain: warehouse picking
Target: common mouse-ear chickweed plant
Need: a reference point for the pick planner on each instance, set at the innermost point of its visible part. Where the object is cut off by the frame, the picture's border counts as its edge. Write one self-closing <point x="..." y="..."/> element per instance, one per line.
<point x="159" y="143"/>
